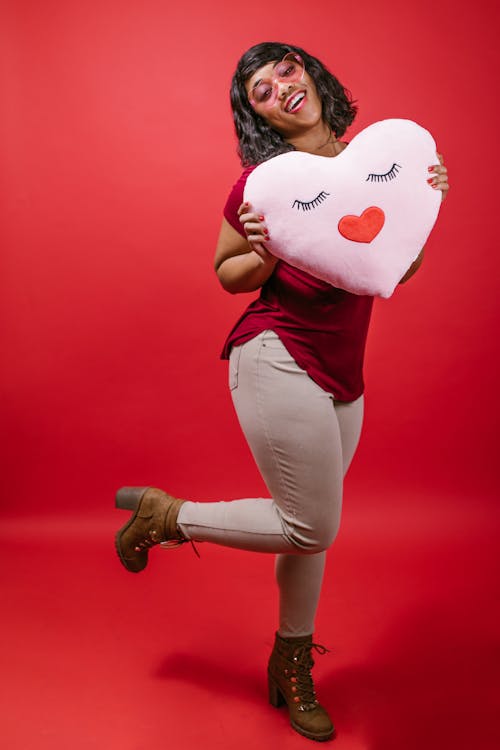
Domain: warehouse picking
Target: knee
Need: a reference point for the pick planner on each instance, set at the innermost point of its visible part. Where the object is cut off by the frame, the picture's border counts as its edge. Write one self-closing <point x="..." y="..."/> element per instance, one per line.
<point x="308" y="538"/>
<point x="323" y="537"/>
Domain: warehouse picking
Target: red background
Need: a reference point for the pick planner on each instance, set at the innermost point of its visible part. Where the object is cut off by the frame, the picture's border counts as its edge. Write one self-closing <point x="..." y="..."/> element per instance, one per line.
<point x="117" y="153"/>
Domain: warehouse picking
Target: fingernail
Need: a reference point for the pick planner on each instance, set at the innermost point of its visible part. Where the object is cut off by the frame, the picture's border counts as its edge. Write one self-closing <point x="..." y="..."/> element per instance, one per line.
<point x="431" y="181"/>
<point x="430" y="169"/>
<point x="261" y="218"/>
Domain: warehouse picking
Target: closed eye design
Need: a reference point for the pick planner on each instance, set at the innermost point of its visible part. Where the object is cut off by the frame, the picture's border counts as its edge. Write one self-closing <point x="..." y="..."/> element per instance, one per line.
<point x="309" y="205"/>
<point x="390" y="175"/>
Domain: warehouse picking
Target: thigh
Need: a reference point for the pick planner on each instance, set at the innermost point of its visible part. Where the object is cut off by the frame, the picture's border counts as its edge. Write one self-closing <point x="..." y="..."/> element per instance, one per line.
<point x="292" y="430"/>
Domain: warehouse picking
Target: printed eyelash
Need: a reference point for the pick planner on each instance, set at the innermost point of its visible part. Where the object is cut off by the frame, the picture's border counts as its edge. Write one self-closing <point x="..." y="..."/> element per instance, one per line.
<point x="390" y="175"/>
<point x="308" y="205"/>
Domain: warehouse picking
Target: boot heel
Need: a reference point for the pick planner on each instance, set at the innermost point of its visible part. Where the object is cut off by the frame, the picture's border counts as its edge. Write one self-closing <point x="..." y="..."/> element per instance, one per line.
<point x="128" y="498"/>
<point x="275" y="696"/>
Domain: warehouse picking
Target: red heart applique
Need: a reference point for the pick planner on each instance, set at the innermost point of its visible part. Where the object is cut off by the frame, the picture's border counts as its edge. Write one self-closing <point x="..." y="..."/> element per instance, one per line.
<point x="362" y="228"/>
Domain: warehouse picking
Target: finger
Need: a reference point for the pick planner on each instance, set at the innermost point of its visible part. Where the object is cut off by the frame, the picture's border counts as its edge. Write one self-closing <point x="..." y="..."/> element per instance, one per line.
<point x="438" y="177"/>
<point x="443" y="186"/>
<point x="441" y="159"/>
<point x="266" y="257"/>
<point x="441" y="179"/>
<point x="438" y="181"/>
<point x="250" y="219"/>
<point x="257" y="237"/>
<point x="255" y="227"/>
<point x="261" y="250"/>
<point x="437" y="169"/>
<point x="244" y="208"/>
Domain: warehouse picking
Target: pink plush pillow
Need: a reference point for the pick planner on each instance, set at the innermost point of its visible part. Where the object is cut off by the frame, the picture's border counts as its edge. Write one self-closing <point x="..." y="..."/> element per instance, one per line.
<point x="357" y="220"/>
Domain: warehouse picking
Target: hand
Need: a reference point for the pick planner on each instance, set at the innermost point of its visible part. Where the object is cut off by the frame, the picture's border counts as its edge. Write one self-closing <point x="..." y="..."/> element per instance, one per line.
<point x="256" y="232"/>
<point x="439" y="178"/>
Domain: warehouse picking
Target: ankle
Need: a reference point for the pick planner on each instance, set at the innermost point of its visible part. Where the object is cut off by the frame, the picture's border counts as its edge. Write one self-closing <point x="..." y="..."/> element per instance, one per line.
<point x="294" y="638"/>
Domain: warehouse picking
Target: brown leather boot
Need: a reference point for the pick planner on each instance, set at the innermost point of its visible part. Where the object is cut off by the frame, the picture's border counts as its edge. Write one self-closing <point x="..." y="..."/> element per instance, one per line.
<point x="290" y="681"/>
<point x="154" y="522"/>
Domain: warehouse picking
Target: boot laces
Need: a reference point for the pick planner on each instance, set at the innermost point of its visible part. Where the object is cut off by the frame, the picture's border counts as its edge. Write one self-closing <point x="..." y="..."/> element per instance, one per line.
<point x="148" y="541"/>
<point x="152" y="539"/>
<point x="300" y="674"/>
<point x="174" y="543"/>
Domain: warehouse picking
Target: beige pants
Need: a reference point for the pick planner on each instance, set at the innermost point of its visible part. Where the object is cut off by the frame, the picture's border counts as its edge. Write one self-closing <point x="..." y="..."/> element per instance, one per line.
<point x="303" y="442"/>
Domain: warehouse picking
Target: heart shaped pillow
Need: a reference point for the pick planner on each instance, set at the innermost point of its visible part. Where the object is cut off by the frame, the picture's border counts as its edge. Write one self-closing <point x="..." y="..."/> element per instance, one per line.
<point x="357" y="220"/>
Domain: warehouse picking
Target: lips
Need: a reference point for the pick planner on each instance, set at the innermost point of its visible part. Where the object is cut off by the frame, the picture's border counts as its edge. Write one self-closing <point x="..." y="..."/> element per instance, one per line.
<point x="295" y="101"/>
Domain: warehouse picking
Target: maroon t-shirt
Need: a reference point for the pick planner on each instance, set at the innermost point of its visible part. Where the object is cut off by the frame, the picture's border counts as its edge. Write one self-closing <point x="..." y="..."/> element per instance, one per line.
<point x="322" y="327"/>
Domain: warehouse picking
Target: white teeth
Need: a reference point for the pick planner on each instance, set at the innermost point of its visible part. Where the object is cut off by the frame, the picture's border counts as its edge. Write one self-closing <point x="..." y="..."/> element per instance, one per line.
<point x="294" y="101"/>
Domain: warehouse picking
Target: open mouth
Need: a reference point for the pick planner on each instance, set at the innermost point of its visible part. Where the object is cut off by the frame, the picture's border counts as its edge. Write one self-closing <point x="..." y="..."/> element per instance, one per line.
<point x="295" y="101"/>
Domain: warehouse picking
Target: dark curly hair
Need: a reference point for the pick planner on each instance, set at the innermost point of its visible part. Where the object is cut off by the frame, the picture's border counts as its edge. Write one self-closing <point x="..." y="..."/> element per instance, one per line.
<point x="257" y="141"/>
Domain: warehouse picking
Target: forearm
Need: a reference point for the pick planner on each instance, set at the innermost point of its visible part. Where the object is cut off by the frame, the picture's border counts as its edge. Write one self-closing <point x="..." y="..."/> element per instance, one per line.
<point x="245" y="273"/>
<point x="413" y="268"/>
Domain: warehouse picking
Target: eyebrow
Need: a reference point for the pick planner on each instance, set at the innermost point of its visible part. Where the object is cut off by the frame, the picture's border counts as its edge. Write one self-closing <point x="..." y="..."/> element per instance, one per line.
<point x="259" y="80"/>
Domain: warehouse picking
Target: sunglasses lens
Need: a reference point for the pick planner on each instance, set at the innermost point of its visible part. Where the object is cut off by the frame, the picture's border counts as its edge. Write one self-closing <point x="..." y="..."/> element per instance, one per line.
<point x="290" y="69"/>
<point x="264" y="92"/>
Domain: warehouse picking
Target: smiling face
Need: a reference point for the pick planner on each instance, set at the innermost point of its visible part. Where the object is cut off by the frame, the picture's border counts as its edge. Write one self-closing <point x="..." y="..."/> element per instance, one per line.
<point x="290" y="106"/>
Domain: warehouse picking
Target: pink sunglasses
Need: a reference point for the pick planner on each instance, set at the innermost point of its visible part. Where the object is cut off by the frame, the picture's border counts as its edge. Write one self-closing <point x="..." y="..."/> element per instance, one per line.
<point x="289" y="70"/>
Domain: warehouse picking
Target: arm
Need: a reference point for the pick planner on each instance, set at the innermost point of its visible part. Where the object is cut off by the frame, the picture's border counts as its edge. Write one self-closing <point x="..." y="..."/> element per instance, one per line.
<point x="413" y="268"/>
<point x="243" y="264"/>
<point x="439" y="181"/>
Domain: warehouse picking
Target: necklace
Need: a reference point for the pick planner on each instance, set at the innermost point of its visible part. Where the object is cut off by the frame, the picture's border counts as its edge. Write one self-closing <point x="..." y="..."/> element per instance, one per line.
<point x="328" y="140"/>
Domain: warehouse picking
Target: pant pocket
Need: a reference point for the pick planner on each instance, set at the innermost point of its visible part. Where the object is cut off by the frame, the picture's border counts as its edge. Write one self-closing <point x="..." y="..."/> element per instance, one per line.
<point x="234" y="365"/>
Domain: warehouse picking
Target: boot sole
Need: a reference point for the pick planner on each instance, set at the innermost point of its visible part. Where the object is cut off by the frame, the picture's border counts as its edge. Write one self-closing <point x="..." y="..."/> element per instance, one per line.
<point x="128" y="498"/>
<point x="310" y="736"/>
<point x="277" y="699"/>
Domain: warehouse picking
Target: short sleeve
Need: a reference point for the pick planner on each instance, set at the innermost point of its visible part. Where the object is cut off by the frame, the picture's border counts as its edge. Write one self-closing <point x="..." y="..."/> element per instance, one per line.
<point x="234" y="201"/>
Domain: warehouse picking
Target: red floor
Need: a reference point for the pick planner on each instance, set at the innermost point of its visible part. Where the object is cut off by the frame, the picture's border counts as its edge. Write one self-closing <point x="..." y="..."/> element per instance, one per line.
<point x="93" y="657"/>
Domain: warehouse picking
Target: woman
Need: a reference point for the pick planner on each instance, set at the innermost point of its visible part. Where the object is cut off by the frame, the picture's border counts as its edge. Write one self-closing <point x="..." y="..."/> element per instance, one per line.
<point x="296" y="358"/>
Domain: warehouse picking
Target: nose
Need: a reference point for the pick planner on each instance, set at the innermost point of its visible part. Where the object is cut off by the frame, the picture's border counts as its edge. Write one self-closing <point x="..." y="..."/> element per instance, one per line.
<point x="284" y="88"/>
